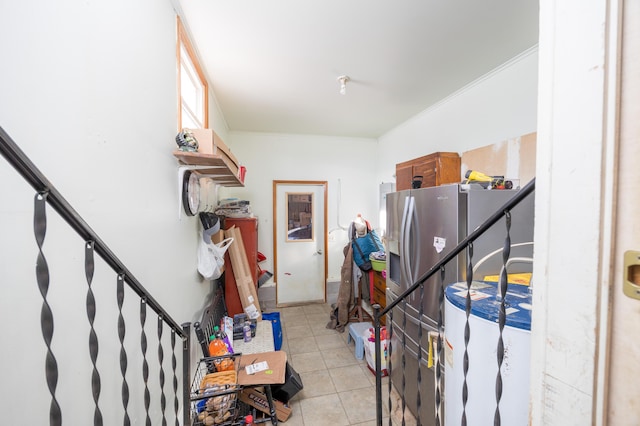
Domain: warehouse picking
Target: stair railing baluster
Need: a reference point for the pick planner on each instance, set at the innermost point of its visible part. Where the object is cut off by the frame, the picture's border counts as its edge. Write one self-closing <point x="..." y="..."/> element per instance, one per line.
<point x="186" y="372"/>
<point x="404" y="360"/>
<point x="89" y="268"/>
<point x="420" y="313"/>
<point x="145" y="364"/>
<point x="46" y="314"/>
<point x="506" y="252"/>
<point x="440" y="344"/>
<point x="163" y="399"/>
<point x="126" y="421"/>
<point x="389" y="366"/>
<point x="467" y="335"/>
<point x="174" y="365"/>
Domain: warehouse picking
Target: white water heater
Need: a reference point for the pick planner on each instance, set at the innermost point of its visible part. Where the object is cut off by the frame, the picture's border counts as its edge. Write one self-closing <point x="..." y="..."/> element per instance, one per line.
<point x="482" y="349"/>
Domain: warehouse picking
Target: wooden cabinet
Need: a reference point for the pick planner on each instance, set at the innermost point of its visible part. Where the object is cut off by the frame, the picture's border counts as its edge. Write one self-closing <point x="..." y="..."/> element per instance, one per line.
<point x="436" y="169"/>
<point x="249" y="230"/>
<point x="380" y="292"/>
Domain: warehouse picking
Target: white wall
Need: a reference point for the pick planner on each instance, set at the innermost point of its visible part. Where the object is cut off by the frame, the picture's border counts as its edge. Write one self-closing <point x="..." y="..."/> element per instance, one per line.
<point x="494" y="108"/>
<point x="347" y="164"/>
<point x="89" y="93"/>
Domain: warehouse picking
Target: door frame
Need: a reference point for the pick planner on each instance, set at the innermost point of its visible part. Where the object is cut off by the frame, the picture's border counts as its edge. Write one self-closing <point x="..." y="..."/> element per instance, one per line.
<point x="325" y="220"/>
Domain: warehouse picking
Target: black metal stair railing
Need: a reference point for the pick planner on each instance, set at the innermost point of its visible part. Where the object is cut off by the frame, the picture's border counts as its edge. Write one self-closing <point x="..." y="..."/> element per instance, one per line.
<point x="48" y="195"/>
<point x="465" y="244"/>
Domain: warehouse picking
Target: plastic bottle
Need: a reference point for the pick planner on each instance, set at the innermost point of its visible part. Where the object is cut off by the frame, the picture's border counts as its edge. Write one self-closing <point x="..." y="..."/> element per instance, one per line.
<point x="226" y="341"/>
<point x="217" y="347"/>
<point x="246" y="330"/>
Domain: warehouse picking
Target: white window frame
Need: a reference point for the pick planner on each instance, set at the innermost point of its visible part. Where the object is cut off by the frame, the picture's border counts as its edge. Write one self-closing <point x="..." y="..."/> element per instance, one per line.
<point x="187" y="61"/>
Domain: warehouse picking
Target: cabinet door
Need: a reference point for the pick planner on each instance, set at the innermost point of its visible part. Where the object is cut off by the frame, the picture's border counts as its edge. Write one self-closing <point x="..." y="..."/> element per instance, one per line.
<point x="426" y="169"/>
<point x="379" y="291"/>
<point x="404" y="176"/>
<point x="448" y="169"/>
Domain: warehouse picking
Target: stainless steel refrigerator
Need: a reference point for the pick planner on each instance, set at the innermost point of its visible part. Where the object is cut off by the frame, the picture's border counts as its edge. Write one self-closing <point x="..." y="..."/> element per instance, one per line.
<point x="423" y="226"/>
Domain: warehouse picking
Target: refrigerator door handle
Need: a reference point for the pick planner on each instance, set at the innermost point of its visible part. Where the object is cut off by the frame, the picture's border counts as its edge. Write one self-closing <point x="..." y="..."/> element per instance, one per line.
<point x="417" y="234"/>
<point x="403" y="238"/>
<point x="410" y="232"/>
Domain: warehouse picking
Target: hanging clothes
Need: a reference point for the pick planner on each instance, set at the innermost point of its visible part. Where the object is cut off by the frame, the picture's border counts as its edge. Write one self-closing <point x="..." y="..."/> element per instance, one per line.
<point x="339" y="317"/>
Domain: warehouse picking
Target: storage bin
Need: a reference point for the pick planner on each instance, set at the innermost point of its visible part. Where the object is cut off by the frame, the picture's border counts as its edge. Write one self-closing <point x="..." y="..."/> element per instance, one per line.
<point x="276" y="326"/>
<point x="291" y="386"/>
<point x="378" y="265"/>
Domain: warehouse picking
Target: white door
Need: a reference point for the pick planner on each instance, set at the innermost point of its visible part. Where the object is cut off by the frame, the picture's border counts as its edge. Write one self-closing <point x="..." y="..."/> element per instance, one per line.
<point x="299" y="227"/>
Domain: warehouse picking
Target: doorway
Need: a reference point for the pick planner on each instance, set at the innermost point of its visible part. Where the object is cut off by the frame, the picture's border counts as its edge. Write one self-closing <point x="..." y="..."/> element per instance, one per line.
<point x="300" y="241"/>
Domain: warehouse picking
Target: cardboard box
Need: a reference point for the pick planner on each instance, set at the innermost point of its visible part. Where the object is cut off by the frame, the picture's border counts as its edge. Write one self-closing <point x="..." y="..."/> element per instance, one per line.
<point x="300" y="198"/>
<point x="210" y="143"/>
<point x="305" y="219"/>
<point x="274" y="374"/>
<point x="258" y="400"/>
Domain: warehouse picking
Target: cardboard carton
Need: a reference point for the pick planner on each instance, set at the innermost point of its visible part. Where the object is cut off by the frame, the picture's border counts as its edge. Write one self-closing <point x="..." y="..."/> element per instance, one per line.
<point x="210" y="143"/>
<point x="258" y="399"/>
<point x="274" y="374"/>
<point x="305" y="219"/>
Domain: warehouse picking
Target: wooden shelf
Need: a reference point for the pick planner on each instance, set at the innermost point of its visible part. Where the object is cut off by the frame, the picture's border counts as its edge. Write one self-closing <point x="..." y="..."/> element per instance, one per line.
<point x="215" y="167"/>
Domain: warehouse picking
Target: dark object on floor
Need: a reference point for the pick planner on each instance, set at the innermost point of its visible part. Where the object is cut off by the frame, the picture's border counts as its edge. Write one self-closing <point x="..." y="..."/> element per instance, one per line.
<point x="291" y="386"/>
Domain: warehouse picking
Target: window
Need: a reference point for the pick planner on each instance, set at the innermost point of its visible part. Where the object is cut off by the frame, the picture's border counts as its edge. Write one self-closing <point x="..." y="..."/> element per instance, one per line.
<point x="299" y="220"/>
<point x="193" y="110"/>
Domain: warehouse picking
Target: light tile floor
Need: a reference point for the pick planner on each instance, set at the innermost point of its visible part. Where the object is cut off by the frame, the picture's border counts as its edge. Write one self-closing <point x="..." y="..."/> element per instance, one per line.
<point x="338" y="388"/>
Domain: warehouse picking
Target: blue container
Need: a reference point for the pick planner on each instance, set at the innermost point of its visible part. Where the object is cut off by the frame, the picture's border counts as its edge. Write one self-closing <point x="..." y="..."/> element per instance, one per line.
<point x="276" y="326"/>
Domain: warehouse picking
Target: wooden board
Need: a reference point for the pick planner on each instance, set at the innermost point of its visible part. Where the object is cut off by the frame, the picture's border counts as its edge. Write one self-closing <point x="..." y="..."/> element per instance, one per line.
<point x="242" y="274"/>
<point x="221" y="168"/>
<point x="527" y="158"/>
<point x="490" y="160"/>
<point x="513" y="158"/>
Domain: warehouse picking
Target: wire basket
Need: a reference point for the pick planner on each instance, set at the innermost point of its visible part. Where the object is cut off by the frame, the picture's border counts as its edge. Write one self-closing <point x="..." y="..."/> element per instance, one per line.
<point x="214" y="395"/>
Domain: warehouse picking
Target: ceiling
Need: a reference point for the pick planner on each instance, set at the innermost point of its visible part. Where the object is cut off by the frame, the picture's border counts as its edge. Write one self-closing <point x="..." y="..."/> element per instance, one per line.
<point x="273" y="65"/>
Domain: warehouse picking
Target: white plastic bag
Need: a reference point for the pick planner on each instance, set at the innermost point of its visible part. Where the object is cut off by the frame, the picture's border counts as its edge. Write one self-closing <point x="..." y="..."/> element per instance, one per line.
<point x="211" y="258"/>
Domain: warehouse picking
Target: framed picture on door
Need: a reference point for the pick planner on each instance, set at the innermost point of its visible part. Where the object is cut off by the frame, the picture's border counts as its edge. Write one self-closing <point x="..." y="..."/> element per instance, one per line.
<point x="299" y="208"/>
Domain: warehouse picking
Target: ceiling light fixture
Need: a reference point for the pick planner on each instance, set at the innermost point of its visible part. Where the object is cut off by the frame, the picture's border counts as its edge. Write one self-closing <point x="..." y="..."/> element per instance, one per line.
<point x="343" y="83"/>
